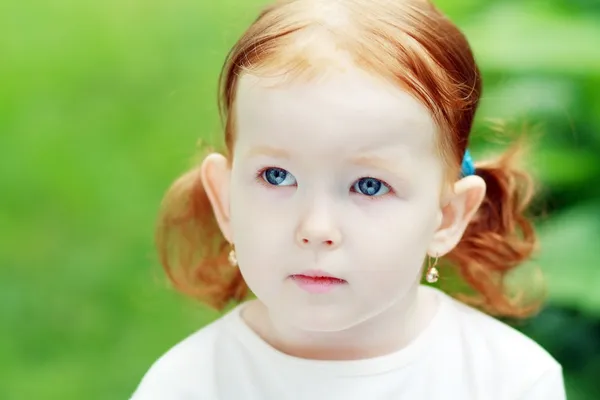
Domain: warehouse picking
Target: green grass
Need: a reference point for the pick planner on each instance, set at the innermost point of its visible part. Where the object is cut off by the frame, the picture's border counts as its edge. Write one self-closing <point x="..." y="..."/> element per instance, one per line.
<point x="101" y="105"/>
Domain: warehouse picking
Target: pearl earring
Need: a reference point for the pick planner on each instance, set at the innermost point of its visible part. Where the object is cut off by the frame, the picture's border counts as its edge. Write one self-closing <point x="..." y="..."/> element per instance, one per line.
<point x="432" y="274"/>
<point x="232" y="257"/>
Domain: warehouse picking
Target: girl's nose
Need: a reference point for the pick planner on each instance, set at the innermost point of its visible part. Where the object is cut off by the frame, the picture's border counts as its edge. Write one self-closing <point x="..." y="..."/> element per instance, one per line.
<point x="318" y="231"/>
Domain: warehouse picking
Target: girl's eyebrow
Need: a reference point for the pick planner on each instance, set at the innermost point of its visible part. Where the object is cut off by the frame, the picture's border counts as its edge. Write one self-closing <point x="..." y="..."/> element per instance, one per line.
<point x="268" y="151"/>
<point x="379" y="163"/>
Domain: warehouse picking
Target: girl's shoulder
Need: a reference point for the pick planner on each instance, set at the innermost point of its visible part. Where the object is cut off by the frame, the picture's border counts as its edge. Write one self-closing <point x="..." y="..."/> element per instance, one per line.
<point x="499" y="353"/>
<point x="178" y="372"/>
<point x="497" y="337"/>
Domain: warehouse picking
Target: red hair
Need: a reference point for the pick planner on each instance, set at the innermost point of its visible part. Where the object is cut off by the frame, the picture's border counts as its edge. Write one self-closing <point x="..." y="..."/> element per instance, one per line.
<point x="414" y="46"/>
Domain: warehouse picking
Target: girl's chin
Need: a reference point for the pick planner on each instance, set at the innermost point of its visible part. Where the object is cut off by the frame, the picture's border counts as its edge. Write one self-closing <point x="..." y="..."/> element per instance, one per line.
<point x="313" y="318"/>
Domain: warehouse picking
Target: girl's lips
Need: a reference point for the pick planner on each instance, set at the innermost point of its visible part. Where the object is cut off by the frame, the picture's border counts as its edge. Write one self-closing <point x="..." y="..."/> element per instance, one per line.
<point x="317" y="284"/>
<point x="315" y="273"/>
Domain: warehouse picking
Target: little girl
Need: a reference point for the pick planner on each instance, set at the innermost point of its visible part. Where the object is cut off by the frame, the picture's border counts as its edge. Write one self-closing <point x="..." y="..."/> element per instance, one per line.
<point x="346" y="177"/>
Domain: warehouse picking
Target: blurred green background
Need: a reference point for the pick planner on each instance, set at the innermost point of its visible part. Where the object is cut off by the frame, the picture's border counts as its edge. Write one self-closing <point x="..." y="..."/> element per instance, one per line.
<point x="101" y="105"/>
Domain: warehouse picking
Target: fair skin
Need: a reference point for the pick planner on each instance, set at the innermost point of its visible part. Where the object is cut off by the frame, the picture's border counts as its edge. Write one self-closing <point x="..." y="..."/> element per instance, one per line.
<point x="339" y="175"/>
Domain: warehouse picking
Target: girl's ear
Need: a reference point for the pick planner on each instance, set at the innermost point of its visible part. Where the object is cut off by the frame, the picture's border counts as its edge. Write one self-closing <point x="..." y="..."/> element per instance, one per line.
<point x="215" y="174"/>
<point x="457" y="211"/>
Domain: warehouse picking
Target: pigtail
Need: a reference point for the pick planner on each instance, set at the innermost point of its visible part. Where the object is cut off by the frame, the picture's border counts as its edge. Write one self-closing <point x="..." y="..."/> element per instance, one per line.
<point x="191" y="248"/>
<point x="499" y="238"/>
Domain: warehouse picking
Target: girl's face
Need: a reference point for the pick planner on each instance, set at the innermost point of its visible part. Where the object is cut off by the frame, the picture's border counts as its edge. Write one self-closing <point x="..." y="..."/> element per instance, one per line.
<point x="339" y="176"/>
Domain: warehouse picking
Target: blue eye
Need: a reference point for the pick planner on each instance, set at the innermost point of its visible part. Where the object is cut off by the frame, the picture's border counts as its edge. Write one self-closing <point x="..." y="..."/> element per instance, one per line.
<point x="371" y="187"/>
<point x="278" y="177"/>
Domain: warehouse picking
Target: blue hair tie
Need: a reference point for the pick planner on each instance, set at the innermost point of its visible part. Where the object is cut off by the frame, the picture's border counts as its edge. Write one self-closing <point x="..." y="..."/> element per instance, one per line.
<point x="467" y="167"/>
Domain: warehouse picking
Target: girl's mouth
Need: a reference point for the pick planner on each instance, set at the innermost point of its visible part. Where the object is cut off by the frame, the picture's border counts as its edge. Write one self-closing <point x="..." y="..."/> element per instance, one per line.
<point x="317" y="284"/>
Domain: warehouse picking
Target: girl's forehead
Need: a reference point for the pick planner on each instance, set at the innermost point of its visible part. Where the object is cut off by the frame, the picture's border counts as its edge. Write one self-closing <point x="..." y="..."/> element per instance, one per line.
<point x="346" y="90"/>
<point x="349" y="108"/>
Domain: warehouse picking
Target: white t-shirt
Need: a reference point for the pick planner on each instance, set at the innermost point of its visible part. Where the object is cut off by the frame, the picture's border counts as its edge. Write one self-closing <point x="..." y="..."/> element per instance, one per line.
<point x="463" y="354"/>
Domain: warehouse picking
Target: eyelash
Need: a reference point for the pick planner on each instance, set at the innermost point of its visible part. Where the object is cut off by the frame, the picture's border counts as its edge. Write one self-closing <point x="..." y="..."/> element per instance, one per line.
<point x="259" y="178"/>
<point x="391" y="190"/>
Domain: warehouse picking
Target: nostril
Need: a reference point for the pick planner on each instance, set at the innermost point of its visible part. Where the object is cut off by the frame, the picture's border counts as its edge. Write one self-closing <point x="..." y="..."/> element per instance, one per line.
<point x="327" y="243"/>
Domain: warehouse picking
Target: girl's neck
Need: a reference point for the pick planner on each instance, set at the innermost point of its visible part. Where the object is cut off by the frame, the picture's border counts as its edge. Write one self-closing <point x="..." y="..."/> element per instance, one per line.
<point x="383" y="334"/>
